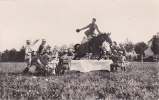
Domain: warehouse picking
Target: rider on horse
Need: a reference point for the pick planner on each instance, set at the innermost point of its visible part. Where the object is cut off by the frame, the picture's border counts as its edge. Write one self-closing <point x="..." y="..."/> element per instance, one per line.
<point x="92" y="26"/>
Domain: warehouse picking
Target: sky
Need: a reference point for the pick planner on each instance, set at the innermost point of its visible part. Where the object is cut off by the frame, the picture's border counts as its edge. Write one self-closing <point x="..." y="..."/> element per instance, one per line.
<point x="57" y="20"/>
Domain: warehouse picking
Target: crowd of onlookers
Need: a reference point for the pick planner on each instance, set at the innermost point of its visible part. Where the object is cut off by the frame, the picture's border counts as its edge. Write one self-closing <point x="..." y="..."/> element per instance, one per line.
<point x="44" y="54"/>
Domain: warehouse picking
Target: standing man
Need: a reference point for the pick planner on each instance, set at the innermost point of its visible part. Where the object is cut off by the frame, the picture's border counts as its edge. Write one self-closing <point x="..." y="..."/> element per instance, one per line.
<point x="42" y="47"/>
<point x="121" y="60"/>
<point x="28" y="51"/>
<point x="28" y="54"/>
<point x="92" y="26"/>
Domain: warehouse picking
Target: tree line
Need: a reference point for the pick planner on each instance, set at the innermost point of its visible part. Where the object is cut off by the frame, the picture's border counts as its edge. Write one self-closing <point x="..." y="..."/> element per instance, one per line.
<point x="13" y="55"/>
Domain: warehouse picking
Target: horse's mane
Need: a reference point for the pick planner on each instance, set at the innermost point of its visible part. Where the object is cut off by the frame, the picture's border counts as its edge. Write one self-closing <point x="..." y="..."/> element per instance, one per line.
<point x="99" y="36"/>
<point x="100" y="39"/>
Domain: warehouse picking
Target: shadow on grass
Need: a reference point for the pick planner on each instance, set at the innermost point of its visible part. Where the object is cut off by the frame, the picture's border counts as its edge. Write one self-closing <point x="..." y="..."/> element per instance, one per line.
<point x="68" y="72"/>
<point x="103" y="71"/>
<point x="16" y="74"/>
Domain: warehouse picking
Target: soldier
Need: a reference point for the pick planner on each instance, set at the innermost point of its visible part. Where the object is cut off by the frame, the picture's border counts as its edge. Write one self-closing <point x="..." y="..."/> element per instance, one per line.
<point x="121" y="60"/>
<point x="114" y="56"/>
<point x="64" y="63"/>
<point x="115" y="46"/>
<point x="55" y="54"/>
<point x="48" y="48"/>
<point x="70" y="52"/>
<point x="92" y="26"/>
<point x="122" y="48"/>
<point x="28" y="54"/>
<point x="42" y="47"/>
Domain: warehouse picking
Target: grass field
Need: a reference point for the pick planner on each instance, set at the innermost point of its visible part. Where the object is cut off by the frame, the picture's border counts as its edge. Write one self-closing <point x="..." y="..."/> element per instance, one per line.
<point x="139" y="81"/>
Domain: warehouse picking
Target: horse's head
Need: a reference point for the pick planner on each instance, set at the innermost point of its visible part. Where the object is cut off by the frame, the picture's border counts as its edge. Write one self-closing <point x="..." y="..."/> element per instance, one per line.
<point x="106" y="37"/>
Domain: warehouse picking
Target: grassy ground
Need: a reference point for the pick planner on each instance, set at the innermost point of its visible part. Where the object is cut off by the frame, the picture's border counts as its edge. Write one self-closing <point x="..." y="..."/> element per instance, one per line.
<point x="139" y="81"/>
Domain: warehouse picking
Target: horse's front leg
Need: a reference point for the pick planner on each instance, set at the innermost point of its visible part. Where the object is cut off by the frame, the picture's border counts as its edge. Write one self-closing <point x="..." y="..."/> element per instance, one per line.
<point x="100" y="54"/>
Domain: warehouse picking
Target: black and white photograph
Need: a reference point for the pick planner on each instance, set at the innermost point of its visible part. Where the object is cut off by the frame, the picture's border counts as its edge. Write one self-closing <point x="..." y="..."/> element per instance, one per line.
<point x="79" y="49"/>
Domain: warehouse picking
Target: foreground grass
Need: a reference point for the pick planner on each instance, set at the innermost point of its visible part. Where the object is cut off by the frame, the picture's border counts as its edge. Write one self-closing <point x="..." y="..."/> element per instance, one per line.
<point x="139" y="81"/>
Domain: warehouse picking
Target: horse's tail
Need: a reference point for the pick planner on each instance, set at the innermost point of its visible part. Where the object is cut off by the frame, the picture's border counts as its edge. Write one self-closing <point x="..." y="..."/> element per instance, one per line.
<point x="76" y="47"/>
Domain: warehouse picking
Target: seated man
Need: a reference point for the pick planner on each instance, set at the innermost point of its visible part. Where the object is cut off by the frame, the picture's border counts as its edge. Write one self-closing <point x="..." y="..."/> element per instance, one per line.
<point x="118" y="60"/>
<point x="41" y="60"/>
<point x="70" y="53"/>
<point x="114" y="56"/>
<point x="64" y="63"/>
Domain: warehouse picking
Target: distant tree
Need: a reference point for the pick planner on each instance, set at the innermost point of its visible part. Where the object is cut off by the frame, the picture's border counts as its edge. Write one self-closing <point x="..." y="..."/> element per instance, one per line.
<point x="139" y="49"/>
<point x="71" y="46"/>
<point x="128" y="45"/>
<point x="13" y="55"/>
<point x="155" y="46"/>
<point x="21" y="54"/>
<point x="0" y="56"/>
<point x="5" y="56"/>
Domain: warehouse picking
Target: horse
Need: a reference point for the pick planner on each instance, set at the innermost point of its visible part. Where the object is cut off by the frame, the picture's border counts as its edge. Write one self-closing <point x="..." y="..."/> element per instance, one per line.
<point x="92" y="46"/>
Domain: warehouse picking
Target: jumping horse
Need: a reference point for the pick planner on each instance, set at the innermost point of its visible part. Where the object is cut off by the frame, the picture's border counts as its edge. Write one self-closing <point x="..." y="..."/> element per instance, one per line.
<point x="92" y="46"/>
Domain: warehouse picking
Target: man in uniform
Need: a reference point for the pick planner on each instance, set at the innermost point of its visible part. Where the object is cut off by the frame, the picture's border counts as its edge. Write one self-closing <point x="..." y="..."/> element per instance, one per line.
<point x="122" y="48"/>
<point x="42" y="56"/>
<point x="121" y="60"/>
<point x="42" y="47"/>
<point x="92" y="26"/>
<point x="28" y="54"/>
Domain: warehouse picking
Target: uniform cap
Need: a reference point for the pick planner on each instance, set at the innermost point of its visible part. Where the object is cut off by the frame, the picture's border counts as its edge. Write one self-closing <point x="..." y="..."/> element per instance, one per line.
<point x="43" y="40"/>
<point x="121" y="44"/>
<point x="94" y="19"/>
<point x="48" y="46"/>
<point x="28" y="41"/>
